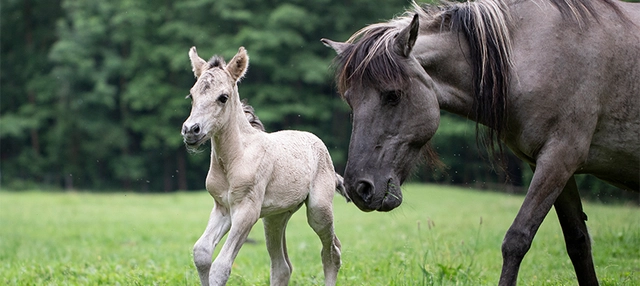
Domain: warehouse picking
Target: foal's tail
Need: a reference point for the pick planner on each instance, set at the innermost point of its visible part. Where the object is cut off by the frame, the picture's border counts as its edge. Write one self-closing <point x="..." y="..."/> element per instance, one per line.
<point x="340" y="187"/>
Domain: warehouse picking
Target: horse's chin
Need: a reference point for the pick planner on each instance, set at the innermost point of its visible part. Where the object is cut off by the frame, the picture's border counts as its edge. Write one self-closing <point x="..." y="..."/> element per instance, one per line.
<point x="392" y="198"/>
<point x="193" y="146"/>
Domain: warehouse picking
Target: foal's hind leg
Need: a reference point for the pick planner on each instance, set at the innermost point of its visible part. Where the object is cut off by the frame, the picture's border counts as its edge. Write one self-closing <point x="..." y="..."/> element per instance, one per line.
<point x="572" y="220"/>
<point x="320" y="218"/>
<point x="274" y="232"/>
<point x="218" y="225"/>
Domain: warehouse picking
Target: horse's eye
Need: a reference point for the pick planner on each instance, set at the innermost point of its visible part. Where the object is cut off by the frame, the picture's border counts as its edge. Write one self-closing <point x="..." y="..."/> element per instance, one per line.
<point x="223" y="98"/>
<point x="392" y="97"/>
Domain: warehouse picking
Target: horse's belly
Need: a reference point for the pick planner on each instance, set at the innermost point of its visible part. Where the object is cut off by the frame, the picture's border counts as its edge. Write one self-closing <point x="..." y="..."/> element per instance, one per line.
<point x="289" y="185"/>
<point x="282" y="198"/>
<point x="615" y="160"/>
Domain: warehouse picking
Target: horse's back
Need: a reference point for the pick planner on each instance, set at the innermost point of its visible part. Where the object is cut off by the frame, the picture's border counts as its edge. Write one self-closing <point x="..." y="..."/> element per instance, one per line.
<point x="298" y="146"/>
<point x="301" y="153"/>
<point x="299" y="160"/>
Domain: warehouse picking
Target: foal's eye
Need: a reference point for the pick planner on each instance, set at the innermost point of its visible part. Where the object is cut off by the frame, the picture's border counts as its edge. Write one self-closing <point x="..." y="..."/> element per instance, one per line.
<point x="223" y="98"/>
<point x="392" y="97"/>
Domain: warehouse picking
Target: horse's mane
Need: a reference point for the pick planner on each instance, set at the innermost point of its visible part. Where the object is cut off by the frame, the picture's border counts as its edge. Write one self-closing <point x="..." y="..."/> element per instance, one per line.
<point x="216" y="61"/>
<point x="370" y="60"/>
<point x="251" y="116"/>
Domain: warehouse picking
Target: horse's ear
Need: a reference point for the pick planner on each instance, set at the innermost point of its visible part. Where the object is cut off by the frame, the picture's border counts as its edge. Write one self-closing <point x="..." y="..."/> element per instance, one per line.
<point x="237" y="67"/>
<point x="198" y="65"/>
<point x="336" y="46"/>
<point x="407" y="37"/>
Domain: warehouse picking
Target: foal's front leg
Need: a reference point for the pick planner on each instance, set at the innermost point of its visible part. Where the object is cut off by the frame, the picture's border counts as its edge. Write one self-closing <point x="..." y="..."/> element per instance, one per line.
<point x="218" y="225"/>
<point x="243" y="217"/>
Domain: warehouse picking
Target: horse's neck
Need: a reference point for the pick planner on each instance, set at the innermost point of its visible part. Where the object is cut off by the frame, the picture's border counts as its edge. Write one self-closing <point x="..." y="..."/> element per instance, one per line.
<point x="442" y="55"/>
<point x="229" y="143"/>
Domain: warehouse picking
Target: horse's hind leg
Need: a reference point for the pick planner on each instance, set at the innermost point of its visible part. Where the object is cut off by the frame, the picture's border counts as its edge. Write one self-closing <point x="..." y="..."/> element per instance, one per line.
<point x="572" y="220"/>
<point x="320" y="218"/>
<point x="274" y="232"/>
<point x="218" y="225"/>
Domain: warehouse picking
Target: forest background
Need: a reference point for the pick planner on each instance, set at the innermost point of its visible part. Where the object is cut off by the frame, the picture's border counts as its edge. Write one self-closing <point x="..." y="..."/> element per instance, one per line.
<point x="92" y="93"/>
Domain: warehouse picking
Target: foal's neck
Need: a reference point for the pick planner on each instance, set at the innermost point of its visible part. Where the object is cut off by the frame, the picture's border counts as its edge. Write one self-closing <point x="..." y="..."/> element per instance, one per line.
<point x="228" y="144"/>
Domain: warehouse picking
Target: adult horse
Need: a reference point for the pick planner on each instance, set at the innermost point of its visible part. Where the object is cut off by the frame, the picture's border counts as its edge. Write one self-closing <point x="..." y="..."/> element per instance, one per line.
<point x="557" y="81"/>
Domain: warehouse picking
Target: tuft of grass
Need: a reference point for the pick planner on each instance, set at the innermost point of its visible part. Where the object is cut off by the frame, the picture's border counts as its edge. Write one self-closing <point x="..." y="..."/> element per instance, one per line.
<point x="441" y="235"/>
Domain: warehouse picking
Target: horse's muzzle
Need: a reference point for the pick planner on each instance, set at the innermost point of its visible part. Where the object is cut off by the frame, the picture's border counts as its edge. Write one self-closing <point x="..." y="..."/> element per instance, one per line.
<point x="368" y="198"/>
<point x="192" y="135"/>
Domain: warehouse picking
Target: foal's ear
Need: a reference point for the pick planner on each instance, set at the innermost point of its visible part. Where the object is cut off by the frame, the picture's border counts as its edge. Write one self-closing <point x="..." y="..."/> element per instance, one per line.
<point x="237" y="67"/>
<point x="198" y="65"/>
<point x="407" y="37"/>
<point x="336" y="46"/>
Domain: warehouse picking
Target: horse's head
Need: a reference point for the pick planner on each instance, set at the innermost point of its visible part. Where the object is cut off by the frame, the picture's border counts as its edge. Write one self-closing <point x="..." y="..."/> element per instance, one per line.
<point x="395" y="111"/>
<point x="214" y="96"/>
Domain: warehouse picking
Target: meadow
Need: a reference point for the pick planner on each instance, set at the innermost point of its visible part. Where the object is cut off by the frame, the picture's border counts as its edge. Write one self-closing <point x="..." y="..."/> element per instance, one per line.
<point x="441" y="235"/>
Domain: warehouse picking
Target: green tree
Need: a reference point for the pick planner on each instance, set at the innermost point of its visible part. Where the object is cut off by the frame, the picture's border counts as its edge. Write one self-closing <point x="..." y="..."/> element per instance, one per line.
<point x="25" y="91"/>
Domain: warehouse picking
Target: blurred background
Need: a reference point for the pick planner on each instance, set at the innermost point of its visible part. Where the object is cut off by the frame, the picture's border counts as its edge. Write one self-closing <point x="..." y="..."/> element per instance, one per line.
<point x="92" y="93"/>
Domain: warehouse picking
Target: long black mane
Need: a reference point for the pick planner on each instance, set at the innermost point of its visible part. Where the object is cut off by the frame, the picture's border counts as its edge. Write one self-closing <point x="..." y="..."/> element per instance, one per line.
<point x="365" y="63"/>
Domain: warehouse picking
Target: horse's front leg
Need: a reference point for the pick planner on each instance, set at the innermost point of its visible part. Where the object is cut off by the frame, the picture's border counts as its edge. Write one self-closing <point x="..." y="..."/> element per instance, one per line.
<point x="243" y="216"/>
<point x="549" y="179"/>
<point x="218" y="225"/>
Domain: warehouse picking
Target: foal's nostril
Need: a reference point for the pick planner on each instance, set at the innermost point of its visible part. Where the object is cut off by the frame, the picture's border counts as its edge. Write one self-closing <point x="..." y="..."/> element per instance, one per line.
<point x="191" y="131"/>
<point x="196" y="129"/>
<point x="365" y="190"/>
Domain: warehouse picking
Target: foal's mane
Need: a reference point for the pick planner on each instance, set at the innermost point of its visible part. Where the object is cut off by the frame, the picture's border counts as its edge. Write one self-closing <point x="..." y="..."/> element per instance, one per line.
<point x="370" y="60"/>
<point x="216" y="61"/>
<point x="251" y="116"/>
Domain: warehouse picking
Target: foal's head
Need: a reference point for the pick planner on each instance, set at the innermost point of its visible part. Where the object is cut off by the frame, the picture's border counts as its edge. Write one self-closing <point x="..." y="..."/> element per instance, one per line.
<point x="215" y="99"/>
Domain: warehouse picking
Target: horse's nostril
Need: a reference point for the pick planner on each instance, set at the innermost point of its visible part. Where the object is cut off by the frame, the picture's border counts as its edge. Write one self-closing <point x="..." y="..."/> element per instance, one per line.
<point x="365" y="190"/>
<point x="196" y="129"/>
<point x="190" y="130"/>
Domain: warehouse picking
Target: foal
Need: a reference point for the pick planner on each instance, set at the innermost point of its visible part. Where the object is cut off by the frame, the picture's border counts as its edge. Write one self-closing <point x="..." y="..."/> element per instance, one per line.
<point x="255" y="175"/>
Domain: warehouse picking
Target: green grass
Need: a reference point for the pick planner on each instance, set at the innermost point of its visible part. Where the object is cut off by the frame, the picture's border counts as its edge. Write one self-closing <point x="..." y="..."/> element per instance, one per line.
<point x="440" y="236"/>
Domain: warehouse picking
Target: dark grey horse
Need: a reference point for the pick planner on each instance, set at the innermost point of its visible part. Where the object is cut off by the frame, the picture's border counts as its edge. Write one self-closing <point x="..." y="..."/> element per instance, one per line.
<point x="557" y="81"/>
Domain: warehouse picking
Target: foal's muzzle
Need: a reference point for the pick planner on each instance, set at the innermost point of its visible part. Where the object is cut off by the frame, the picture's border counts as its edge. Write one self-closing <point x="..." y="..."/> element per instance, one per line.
<point x="192" y="134"/>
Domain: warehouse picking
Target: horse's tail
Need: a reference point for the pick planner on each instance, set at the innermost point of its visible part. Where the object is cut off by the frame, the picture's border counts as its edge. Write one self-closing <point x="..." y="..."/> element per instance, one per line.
<point x="340" y="187"/>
